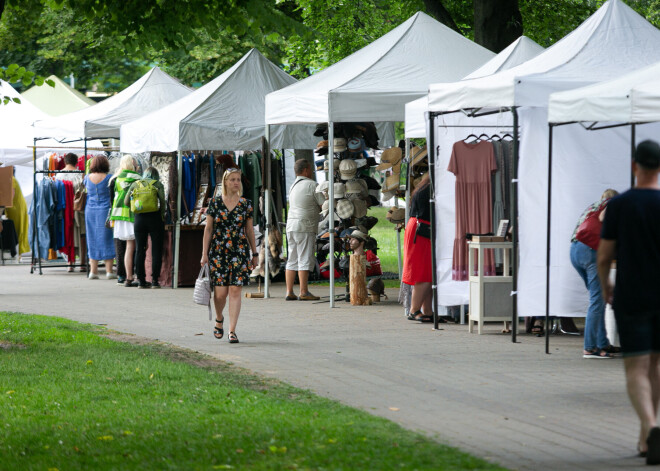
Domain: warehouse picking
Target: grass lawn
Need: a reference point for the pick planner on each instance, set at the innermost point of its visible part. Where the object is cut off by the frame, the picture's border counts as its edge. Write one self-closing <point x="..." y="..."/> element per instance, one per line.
<point x="72" y="397"/>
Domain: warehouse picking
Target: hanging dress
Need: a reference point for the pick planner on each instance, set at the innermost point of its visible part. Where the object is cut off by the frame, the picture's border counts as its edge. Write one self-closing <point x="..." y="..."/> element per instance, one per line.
<point x="473" y="165"/>
<point x="100" y="245"/>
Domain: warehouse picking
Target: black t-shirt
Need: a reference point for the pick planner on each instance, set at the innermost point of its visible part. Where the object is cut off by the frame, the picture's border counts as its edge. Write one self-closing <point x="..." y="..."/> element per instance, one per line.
<point x="632" y="220"/>
<point x="420" y="207"/>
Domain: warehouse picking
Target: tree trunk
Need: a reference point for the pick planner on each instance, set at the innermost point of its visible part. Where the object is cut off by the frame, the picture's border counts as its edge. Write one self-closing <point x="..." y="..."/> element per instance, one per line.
<point x="437" y="10"/>
<point x="497" y="23"/>
<point x="358" y="280"/>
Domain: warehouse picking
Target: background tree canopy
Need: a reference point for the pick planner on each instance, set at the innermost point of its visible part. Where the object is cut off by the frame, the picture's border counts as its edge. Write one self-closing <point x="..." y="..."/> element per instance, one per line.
<point x="108" y="44"/>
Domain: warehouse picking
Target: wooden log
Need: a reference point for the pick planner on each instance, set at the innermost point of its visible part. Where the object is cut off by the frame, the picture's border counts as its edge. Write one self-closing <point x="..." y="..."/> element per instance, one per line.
<point x="358" y="280"/>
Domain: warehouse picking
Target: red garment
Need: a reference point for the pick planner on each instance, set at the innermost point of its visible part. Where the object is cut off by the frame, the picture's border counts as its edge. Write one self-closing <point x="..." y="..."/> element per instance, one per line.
<point x="416" y="255"/>
<point x="373" y="269"/>
<point x="69" y="249"/>
<point x="81" y="163"/>
<point x="473" y="165"/>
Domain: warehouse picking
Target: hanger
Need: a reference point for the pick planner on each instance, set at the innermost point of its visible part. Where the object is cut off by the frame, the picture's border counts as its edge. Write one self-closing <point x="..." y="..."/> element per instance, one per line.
<point x="507" y="135"/>
<point x="471" y="135"/>
<point x="495" y="137"/>
<point x="483" y="137"/>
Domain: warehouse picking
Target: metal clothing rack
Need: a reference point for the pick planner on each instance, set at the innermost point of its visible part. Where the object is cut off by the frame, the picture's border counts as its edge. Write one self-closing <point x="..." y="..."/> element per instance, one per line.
<point x="433" y="153"/>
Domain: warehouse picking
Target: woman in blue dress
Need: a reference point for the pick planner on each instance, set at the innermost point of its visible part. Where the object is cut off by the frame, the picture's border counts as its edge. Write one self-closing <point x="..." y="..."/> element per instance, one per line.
<point x="100" y="245"/>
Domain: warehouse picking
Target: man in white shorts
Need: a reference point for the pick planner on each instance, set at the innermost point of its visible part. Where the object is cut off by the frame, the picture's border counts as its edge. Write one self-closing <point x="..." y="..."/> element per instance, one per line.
<point x="301" y="227"/>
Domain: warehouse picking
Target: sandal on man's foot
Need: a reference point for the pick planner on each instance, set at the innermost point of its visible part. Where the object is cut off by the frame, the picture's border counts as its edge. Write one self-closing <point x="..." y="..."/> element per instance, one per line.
<point x="420" y="317"/>
<point x="219" y="332"/>
<point x="232" y="337"/>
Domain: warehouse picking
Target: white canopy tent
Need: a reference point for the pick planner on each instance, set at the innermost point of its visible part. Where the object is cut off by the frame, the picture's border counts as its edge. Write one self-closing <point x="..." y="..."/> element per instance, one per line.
<point x="631" y="98"/>
<point x="225" y="114"/>
<point x="612" y="41"/>
<point x="151" y="92"/>
<point x="519" y="51"/>
<point x="17" y="137"/>
<point x="375" y="83"/>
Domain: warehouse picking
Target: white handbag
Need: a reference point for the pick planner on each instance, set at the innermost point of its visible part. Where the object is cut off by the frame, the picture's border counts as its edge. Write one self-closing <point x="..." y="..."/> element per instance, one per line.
<point x="202" y="292"/>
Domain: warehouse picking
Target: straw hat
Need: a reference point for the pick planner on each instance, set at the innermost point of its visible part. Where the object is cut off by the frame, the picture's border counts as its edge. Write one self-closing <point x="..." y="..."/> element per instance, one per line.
<point x="389" y="158"/>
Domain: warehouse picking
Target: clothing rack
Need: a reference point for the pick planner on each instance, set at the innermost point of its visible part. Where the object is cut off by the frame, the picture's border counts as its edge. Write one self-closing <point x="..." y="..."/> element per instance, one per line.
<point x="515" y="128"/>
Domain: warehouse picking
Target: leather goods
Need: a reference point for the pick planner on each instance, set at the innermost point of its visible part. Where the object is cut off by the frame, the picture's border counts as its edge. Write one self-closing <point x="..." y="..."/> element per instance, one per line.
<point x="79" y="199"/>
<point x="202" y="291"/>
<point x="589" y="231"/>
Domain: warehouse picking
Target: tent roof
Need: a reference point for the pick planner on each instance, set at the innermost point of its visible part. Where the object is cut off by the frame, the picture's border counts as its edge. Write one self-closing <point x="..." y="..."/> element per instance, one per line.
<point x="374" y="83"/>
<point x="519" y="51"/>
<point x="150" y="92"/>
<point x="612" y="40"/>
<point x="632" y="98"/>
<point x="58" y="100"/>
<point x="225" y="114"/>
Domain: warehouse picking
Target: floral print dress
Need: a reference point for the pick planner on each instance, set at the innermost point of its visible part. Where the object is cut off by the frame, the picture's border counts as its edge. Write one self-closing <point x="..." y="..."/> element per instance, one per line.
<point x="229" y="255"/>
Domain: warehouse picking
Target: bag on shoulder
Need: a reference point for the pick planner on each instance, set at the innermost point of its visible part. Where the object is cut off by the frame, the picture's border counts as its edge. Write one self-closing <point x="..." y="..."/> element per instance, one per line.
<point x="589" y="231"/>
<point x="202" y="292"/>
<point x="144" y="197"/>
<point x="79" y="199"/>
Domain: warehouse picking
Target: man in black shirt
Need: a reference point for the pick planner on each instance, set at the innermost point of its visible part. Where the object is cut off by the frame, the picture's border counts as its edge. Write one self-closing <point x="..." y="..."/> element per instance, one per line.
<point x="631" y="235"/>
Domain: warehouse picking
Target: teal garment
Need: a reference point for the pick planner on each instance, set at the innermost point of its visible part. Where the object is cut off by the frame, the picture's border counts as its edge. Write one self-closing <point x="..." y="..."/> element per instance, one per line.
<point x="250" y="165"/>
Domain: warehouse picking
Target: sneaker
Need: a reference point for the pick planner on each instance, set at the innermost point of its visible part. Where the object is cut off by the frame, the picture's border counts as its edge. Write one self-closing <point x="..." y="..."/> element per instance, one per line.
<point x="308" y="297"/>
<point x="142" y="285"/>
<point x="111" y="276"/>
<point x="120" y="280"/>
<point x="597" y="354"/>
<point x="129" y="284"/>
<point x="155" y="285"/>
<point x="93" y="276"/>
<point x="612" y="350"/>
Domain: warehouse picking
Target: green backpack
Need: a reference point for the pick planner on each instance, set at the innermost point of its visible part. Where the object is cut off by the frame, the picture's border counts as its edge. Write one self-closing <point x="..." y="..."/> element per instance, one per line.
<point x="144" y="197"/>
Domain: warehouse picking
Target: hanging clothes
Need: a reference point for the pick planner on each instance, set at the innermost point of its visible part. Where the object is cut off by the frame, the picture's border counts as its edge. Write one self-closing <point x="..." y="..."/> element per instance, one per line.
<point x="473" y="165"/>
<point x="250" y="166"/>
<point x="68" y="248"/>
<point x="189" y="183"/>
<point x="41" y="210"/>
<point x="19" y="214"/>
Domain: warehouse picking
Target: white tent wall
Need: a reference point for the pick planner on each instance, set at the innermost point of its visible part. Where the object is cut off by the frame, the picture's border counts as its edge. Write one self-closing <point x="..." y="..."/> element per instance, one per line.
<point x="449" y="129"/>
<point x="585" y="163"/>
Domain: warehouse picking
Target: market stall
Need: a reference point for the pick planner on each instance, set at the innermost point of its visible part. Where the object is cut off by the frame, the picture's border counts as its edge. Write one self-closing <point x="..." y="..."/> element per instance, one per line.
<point x="612" y="41"/>
<point x="224" y="115"/>
<point x="374" y="83"/>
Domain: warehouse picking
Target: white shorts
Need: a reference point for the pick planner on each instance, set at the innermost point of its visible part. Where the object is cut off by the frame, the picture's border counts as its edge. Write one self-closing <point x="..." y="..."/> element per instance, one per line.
<point x="301" y="251"/>
<point x="124" y="230"/>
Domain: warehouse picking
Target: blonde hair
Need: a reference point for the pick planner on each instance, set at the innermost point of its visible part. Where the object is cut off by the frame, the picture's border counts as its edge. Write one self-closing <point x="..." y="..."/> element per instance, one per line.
<point x="225" y="175"/>
<point x="127" y="162"/>
<point x="609" y="193"/>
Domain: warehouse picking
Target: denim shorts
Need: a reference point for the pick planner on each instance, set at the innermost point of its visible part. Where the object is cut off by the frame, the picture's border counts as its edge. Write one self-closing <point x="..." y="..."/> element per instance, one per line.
<point x="639" y="333"/>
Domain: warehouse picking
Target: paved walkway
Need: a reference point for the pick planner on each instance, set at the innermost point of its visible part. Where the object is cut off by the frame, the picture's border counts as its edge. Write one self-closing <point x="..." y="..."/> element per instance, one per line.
<point x="508" y="403"/>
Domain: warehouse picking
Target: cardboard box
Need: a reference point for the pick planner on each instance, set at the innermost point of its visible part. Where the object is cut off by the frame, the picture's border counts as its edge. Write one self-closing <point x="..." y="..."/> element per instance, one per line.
<point x="6" y="187"/>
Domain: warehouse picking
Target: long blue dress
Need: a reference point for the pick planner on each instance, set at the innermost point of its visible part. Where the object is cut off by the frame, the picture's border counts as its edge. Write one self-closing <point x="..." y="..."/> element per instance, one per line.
<point x="100" y="245"/>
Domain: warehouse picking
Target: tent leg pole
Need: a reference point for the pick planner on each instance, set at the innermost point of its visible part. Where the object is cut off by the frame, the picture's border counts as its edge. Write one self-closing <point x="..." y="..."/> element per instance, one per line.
<point x="266" y="149"/>
<point x="432" y="155"/>
<point x="406" y="210"/>
<point x="633" y="143"/>
<point x="177" y="221"/>
<point x="331" y="207"/>
<point x="547" y="244"/>
<point x="514" y="220"/>
<point x="396" y="203"/>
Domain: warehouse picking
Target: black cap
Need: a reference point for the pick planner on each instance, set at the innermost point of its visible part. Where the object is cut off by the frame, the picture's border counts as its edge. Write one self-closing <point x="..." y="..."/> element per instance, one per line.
<point x="647" y="154"/>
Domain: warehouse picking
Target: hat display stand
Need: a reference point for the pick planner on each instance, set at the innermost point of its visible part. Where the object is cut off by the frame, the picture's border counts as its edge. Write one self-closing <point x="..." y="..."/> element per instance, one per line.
<point x="351" y="165"/>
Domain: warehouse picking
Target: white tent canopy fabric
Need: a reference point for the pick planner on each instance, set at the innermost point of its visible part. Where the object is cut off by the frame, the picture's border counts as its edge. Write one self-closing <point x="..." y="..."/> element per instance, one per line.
<point x="612" y="40"/>
<point x="58" y="100"/>
<point x="374" y="83"/>
<point x="152" y="91"/>
<point x="225" y="114"/>
<point x="632" y="98"/>
<point x="519" y="51"/>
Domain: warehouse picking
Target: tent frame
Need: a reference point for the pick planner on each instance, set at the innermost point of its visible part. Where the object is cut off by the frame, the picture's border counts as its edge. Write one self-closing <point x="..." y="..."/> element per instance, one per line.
<point x="475" y="113"/>
<point x="592" y="127"/>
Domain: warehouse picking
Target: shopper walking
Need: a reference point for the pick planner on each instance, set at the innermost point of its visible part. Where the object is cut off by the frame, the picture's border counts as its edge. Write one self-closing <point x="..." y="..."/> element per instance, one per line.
<point x="584" y="244"/>
<point x="301" y="226"/>
<point x="148" y="204"/>
<point x="631" y="235"/>
<point x="121" y="215"/>
<point x="227" y="236"/>
<point x="99" y="237"/>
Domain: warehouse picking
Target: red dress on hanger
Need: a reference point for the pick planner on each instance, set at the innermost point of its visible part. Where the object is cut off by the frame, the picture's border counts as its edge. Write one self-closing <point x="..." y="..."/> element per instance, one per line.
<point x="473" y="165"/>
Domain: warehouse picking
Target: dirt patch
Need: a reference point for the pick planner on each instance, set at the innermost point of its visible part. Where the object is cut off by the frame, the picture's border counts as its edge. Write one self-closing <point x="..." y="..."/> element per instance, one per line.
<point x="9" y="345"/>
<point x="171" y="352"/>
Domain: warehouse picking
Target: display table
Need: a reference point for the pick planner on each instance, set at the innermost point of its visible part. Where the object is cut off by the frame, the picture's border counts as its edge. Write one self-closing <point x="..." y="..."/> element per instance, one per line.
<point x="490" y="296"/>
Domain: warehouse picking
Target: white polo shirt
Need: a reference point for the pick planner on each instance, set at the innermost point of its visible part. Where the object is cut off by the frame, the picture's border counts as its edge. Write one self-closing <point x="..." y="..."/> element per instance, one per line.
<point x="304" y="206"/>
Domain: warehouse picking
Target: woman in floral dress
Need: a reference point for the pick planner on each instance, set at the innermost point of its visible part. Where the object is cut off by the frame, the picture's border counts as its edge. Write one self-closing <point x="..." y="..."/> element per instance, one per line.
<point x="227" y="237"/>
